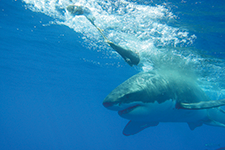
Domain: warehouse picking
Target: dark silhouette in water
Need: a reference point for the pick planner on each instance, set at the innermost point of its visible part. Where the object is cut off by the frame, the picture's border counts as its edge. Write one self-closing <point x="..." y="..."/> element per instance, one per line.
<point x="132" y="58"/>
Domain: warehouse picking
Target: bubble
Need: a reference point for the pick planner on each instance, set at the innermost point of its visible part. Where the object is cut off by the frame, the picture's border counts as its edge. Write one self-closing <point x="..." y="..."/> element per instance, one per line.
<point x="141" y="28"/>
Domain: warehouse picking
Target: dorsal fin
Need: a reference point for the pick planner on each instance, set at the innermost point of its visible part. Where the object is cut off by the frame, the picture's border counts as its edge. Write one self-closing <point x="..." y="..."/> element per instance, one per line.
<point x="201" y="105"/>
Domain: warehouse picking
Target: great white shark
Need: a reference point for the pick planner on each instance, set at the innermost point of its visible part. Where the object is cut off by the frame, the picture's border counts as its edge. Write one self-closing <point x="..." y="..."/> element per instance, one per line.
<point x="148" y="98"/>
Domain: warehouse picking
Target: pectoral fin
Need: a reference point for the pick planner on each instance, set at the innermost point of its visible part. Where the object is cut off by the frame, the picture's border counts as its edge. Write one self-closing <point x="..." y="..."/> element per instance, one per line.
<point x="134" y="127"/>
<point x="193" y="125"/>
<point x="201" y="105"/>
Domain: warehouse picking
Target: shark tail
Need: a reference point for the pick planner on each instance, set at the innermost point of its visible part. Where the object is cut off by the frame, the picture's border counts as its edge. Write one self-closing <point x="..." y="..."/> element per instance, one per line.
<point x="216" y="117"/>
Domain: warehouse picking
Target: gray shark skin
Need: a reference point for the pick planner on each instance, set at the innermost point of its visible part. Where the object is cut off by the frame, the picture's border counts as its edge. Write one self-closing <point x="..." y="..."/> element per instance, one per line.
<point x="148" y="98"/>
<point x="132" y="58"/>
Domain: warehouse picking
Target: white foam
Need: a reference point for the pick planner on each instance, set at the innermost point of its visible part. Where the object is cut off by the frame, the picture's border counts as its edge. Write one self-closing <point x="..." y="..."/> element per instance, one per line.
<point x="119" y="20"/>
<point x="137" y="27"/>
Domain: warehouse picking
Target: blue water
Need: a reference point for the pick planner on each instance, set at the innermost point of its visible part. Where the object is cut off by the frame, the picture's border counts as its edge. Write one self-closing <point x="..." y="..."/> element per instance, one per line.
<point x="53" y="79"/>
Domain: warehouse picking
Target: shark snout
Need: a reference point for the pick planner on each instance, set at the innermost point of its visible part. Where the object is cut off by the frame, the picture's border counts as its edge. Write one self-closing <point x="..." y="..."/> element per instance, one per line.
<point x="108" y="104"/>
<point x="111" y="104"/>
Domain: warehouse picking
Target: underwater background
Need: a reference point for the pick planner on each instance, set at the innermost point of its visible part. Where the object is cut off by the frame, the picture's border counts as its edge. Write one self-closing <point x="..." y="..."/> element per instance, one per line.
<point x="56" y="69"/>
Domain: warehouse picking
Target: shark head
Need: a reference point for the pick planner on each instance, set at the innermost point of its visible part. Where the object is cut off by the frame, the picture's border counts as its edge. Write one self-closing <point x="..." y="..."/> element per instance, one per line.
<point x="130" y="97"/>
<point x="128" y="92"/>
<point x="142" y="97"/>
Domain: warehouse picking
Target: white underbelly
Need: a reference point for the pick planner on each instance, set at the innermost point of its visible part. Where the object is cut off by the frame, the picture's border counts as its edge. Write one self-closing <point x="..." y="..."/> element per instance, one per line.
<point x="164" y="112"/>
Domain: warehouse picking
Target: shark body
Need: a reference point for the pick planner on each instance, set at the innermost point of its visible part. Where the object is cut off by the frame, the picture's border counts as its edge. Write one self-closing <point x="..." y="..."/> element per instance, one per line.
<point x="148" y="98"/>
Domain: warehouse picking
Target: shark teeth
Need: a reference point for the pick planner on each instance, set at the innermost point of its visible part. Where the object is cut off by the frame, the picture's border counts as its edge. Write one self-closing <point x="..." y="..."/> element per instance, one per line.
<point x="127" y="110"/>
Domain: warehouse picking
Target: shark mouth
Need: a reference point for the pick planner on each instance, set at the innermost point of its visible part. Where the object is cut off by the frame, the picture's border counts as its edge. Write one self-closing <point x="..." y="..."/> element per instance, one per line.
<point x="127" y="110"/>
